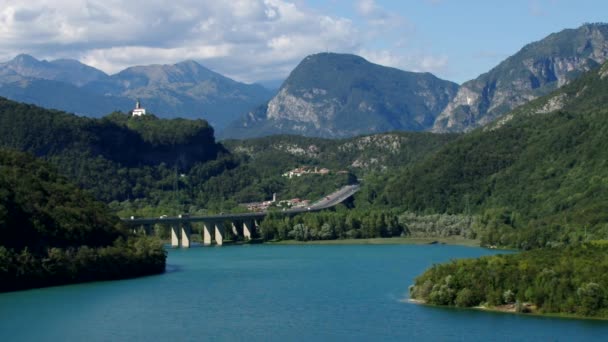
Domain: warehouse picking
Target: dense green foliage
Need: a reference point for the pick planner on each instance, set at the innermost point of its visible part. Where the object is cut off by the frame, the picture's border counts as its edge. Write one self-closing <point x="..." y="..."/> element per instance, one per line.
<point x="341" y="224"/>
<point x="537" y="180"/>
<point x="119" y="138"/>
<point x="118" y="158"/>
<point x="568" y="280"/>
<point x="357" y="223"/>
<point x="52" y="232"/>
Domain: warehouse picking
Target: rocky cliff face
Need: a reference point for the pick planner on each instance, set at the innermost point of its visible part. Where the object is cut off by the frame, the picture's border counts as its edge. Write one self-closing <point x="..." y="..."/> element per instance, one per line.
<point x="583" y="95"/>
<point x="535" y="70"/>
<point x="340" y="95"/>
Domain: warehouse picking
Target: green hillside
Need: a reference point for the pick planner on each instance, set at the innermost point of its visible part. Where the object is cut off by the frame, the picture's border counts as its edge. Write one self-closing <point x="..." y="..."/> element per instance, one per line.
<point x="148" y="166"/>
<point x="117" y="157"/>
<point x="538" y="179"/>
<point x="131" y="141"/>
<point x="52" y="232"/>
<point x="361" y="155"/>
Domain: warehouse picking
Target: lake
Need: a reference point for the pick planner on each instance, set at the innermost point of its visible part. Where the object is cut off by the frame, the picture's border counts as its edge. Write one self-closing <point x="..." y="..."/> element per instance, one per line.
<point x="274" y="293"/>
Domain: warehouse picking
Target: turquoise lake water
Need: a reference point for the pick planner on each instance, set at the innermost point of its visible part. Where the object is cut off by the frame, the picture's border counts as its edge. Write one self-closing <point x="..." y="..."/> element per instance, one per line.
<point x="274" y="293"/>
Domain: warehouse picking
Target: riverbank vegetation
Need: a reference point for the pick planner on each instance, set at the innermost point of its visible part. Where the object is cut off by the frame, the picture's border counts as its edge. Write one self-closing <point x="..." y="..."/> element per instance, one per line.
<point x="52" y="232"/>
<point x="345" y="223"/>
<point x="568" y="280"/>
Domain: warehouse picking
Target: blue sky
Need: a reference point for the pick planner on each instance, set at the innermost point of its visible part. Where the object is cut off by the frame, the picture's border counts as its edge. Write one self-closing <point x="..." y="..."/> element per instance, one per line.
<point x="474" y="36"/>
<point x="253" y="40"/>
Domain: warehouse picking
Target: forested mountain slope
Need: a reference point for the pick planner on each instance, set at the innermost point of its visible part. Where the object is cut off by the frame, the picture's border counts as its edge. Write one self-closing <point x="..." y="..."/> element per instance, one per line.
<point x="360" y="154"/>
<point x="117" y="157"/>
<point x="539" y="178"/>
<point x="52" y="232"/>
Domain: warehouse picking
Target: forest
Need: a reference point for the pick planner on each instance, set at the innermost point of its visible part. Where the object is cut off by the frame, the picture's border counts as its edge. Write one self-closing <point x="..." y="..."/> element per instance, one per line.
<point x="570" y="280"/>
<point x="52" y="232"/>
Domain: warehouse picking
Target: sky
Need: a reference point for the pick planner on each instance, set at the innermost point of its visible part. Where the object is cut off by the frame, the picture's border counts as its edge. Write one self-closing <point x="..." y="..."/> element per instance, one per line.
<point x="260" y="40"/>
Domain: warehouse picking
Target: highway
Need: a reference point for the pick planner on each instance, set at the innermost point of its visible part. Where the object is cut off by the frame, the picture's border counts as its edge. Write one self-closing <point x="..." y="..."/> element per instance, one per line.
<point x="326" y="202"/>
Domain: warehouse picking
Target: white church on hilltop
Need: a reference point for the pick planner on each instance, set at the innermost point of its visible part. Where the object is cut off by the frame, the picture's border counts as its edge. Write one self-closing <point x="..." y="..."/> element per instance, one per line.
<point x="138" y="111"/>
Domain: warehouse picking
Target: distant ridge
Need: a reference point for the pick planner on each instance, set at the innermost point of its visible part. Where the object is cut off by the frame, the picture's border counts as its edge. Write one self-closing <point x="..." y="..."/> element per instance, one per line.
<point x="185" y="89"/>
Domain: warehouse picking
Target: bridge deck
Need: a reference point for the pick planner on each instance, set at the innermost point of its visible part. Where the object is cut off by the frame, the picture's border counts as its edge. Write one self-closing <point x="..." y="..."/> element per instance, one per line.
<point x="328" y="201"/>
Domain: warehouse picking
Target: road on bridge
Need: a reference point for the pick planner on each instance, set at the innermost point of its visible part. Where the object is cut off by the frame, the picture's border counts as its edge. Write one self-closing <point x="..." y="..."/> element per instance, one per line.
<point x="328" y="201"/>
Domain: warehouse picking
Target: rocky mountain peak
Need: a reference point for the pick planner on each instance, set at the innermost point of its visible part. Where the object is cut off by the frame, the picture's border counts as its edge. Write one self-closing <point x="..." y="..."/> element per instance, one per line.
<point x="537" y="69"/>
<point x="24" y="59"/>
<point x="341" y="95"/>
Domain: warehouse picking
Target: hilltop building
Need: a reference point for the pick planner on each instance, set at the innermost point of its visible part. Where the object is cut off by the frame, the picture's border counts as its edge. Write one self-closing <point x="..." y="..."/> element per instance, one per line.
<point x="138" y="111"/>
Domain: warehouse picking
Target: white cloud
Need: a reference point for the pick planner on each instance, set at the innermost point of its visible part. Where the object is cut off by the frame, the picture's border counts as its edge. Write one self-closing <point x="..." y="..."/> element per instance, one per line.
<point x="248" y="40"/>
<point x="417" y="61"/>
<point x="378" y="16"/>
<point x="369" y="8"/>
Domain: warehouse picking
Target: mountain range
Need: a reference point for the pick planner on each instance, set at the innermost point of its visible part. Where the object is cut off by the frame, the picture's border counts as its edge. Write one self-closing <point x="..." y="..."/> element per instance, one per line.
<point x="332" y="95"/>
<point x="327" y="95"/>
<point x="185" y="89"/>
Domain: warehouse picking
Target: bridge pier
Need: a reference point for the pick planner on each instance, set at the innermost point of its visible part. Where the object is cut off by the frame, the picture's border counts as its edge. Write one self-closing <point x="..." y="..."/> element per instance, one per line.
<point x="219" y="233"/>
<point x="174" y="236"/>
<point x="185" y="228"/>
<point x="207" y="233"/>
<point x="235" y="230"/>
<point x="248" y="227"/>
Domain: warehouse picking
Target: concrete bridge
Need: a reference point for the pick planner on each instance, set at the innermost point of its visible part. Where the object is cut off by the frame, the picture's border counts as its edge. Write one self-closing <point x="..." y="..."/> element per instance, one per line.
<point x="241" y="224"/>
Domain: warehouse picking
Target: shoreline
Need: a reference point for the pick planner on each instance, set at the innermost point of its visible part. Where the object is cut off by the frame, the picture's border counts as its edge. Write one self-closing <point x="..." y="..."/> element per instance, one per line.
<point x="508" y="309"/>
<point x="455" y="241"/>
